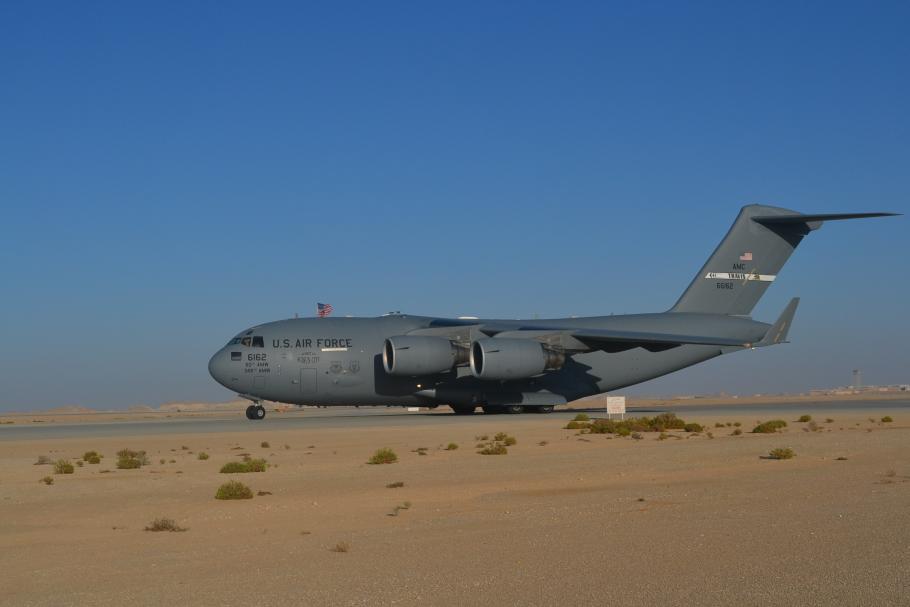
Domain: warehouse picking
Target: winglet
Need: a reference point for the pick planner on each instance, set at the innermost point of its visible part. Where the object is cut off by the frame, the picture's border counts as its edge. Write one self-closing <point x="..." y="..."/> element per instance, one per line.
<point x="778" y="332"/>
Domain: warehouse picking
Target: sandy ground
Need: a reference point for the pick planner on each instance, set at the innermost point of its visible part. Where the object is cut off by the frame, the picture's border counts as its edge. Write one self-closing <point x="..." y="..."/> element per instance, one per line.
<point x="581" y="520"/>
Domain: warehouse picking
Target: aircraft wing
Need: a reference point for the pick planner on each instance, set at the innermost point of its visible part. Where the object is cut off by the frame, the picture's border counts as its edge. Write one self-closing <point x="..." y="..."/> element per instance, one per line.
<point x="610" y="340"/>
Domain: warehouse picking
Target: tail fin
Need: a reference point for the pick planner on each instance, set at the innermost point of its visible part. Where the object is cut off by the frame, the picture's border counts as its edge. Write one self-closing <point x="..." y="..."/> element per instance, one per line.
<point x="749" y="258"/>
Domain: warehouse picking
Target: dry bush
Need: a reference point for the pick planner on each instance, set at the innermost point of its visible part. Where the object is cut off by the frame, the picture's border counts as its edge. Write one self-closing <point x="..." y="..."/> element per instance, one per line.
<point x="887" y="419"/>
<point x="781" y="453"/>
<point x="202" y="455"/>
<point x="164" y="524"/>
<point x="494" y="449"/>
<point x="47" y="480"/>
<point x="383" y="456"/>
<point x="395" y="485"/>
<point x="44" y="460"/>
<point x="233" y="490"/>
<point x="451" y="446"/>
<point x="581" y="417"/>
<point x="340" y="547"/>
<point x="264" y="444"/>
<point x="804" y="419"/>
<point x="128" y="459"/>
<point x="63" y="466"/>
<point x="769" y="427"/>
<point x="252" y="465"/>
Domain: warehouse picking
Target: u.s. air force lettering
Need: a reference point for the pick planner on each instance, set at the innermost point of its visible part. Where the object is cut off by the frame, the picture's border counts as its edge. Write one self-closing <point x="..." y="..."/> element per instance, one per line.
<point x="307" y="342"/>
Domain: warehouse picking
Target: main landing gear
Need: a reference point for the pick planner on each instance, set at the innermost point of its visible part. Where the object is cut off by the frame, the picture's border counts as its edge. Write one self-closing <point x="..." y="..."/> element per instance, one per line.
<point x="496" y="409"/>
<point x="255" y="412"/>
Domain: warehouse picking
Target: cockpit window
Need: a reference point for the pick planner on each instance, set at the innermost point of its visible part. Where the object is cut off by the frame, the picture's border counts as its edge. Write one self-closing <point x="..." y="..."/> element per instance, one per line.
<point x="257" y="341"/>
<point x="234" y="341"/>
<point x="245" y="341"/>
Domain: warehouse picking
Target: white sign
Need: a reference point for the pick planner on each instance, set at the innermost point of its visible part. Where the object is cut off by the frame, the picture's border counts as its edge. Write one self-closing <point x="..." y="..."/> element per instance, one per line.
<point x="616" y="405"/>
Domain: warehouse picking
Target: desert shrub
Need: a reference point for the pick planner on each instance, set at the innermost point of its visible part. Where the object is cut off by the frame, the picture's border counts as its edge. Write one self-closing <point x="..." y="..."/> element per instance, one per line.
<point x="395" y="485"/>
<point x="451" y="446"/>
<point x="89" y="455"/>
<point x="663" y="436"/>
<point x="44" y="460"/>
<point x="543" y="443"/>
<point x="494" y="449"/>
<point x="164" y="524"/>
<point x="253" y="465"/>
<point x="202" y="455"/>
<point x="637" y="435"/>
<point x="693" y="427"/>
<point x="96" y="459"/>
<point x="829" y="421"/>
<point x="737" y="432"/>
<point x="233" y="490"/>
<point x="264" y="444"/>
<point x="769" y="427"/>
<point x="509" y="441"/>
<point x="573" y="425"/>
<point x="500" y="436"/>
<point x="781" y="453"/>
<point x="263" y="493"/>
<point x="162" y="461"/>
<point x="383" y="456"/>
<point x="737" y="424"/>
<point x="812" y="427"/>
<point x="804" y="418"/>
<point x="63" y="466"/>
<point x="47" y="480"/>
<point x="887" y="419"/>
<point x="581" y="417"/>
<point x="623" y="431"/>
<point x="80" y="463"/>
<point x="718" y="425"/>
<point x="128" y="459"/>
<point x="340" y="547"/>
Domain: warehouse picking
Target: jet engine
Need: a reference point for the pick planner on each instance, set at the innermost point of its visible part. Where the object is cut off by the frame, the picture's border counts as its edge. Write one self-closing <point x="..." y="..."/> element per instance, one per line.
<point x="512" y="358"/>
<point x="421" y="355"/>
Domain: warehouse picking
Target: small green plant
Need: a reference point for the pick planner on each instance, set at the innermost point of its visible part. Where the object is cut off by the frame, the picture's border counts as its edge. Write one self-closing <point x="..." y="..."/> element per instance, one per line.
<point x="260" y="493"/>
<point x="395" y="485"/>
<point x="383" y="456"/>
<point x="769" y="427"/>
<point x="693" y="427"/>
<point x="128" y="459"/>
<point x="500" y="436"/>
<point x="164" y="524"/>
<point x="47" y="480"/>
<point x="264" y="444"/>
<point x="451" y="446"/>
<point x="44" y="460"/>
<point x="624" y="431"/>
<point x="581" y="417"/>
<point x="781" y="453"/>
<point x="80" y="463"/>
<point x="737" y="432"/>
<point x="233" y="490"/>
<point x="663" y="436"/>
<point x="718" y="425"/>
<point x="88" y="456"/>
<point x="509" y="441"/>
<point x="573" y="425"/>
<point x="252" y="465"/>
<point x="202" y="455"/>
<point x="340" y="547"/>
<point x="737" y="424"/>
<point x="887" y="419"/>
<point x="63" y="466"/>
<point x="494" y="449"/>
<point x="804" y="418"/>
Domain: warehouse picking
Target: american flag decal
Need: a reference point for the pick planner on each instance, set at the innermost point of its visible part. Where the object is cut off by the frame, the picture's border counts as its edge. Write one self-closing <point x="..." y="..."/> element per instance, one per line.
<point x="746" y="256"/>
<point x="323" y="310"/>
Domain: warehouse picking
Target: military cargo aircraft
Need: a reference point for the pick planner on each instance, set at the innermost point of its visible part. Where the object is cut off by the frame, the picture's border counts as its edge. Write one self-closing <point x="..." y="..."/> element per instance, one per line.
<point x="515" y="366"/>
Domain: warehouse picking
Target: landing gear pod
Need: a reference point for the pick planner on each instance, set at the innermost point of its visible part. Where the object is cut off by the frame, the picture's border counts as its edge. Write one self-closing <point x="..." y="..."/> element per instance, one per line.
<point x="420" y="355"/>
<point x="512" y="358"/>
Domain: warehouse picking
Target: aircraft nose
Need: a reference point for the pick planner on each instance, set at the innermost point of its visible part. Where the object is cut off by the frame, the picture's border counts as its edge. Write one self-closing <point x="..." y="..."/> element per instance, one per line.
<point x="218" y="367"/>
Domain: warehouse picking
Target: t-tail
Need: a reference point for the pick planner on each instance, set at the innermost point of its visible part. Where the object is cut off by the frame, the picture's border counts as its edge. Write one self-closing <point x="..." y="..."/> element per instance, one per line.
<point x="750" y="257"/>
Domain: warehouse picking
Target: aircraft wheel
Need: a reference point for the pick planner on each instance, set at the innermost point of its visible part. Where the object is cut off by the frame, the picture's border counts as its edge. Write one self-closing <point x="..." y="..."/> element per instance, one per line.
<point x="514" y="409"/>
<point x="258" y="413"/>
<point x="462" y="410"/>
<point x="249" y="412"/>
<point x="492" y="409"/>
<point x="544" y="409"/>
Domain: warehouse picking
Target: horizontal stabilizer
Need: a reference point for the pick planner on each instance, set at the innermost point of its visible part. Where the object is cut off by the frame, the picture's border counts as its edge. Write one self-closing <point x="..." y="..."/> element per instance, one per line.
<point x="772" y="220"/>
<point x="777" y="334"/>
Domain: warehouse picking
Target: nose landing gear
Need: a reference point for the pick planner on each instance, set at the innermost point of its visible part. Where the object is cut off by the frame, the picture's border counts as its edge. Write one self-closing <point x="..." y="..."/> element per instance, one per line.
<point x="255" y="412"/>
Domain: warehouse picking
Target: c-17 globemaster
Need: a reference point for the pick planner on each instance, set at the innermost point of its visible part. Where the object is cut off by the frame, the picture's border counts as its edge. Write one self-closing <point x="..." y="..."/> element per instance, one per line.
<point x="514" y="366"/>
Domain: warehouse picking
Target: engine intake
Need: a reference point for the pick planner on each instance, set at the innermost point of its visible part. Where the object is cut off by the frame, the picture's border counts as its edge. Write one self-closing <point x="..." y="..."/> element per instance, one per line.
<point x="421" y="355"/>
<point x="512" y="358"/>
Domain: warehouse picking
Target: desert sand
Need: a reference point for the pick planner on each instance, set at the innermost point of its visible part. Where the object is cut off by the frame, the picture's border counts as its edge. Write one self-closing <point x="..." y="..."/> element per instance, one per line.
<point x="562" y="519"/>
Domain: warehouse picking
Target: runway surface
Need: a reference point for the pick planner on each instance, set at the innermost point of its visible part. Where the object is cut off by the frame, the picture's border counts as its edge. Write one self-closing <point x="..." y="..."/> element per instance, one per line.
<point x="374" y="417"/>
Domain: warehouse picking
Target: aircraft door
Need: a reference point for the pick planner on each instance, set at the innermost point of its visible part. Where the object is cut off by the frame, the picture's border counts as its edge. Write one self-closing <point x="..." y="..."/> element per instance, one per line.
<point x="308" y="381"/>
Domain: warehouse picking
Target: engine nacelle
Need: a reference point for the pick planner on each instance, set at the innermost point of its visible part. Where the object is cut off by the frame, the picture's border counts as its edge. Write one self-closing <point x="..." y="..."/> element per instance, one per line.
<point x="420" y="355"/>
<point x="512" y="358"/>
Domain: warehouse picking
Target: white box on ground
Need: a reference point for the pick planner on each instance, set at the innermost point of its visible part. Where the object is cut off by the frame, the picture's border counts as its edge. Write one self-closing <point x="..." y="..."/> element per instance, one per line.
<point x="616" y="405"/>
<point x="413" y="409"/>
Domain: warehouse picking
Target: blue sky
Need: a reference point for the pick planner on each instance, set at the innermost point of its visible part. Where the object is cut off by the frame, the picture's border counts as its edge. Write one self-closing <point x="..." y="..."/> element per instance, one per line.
<point x="172" y="173"/>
